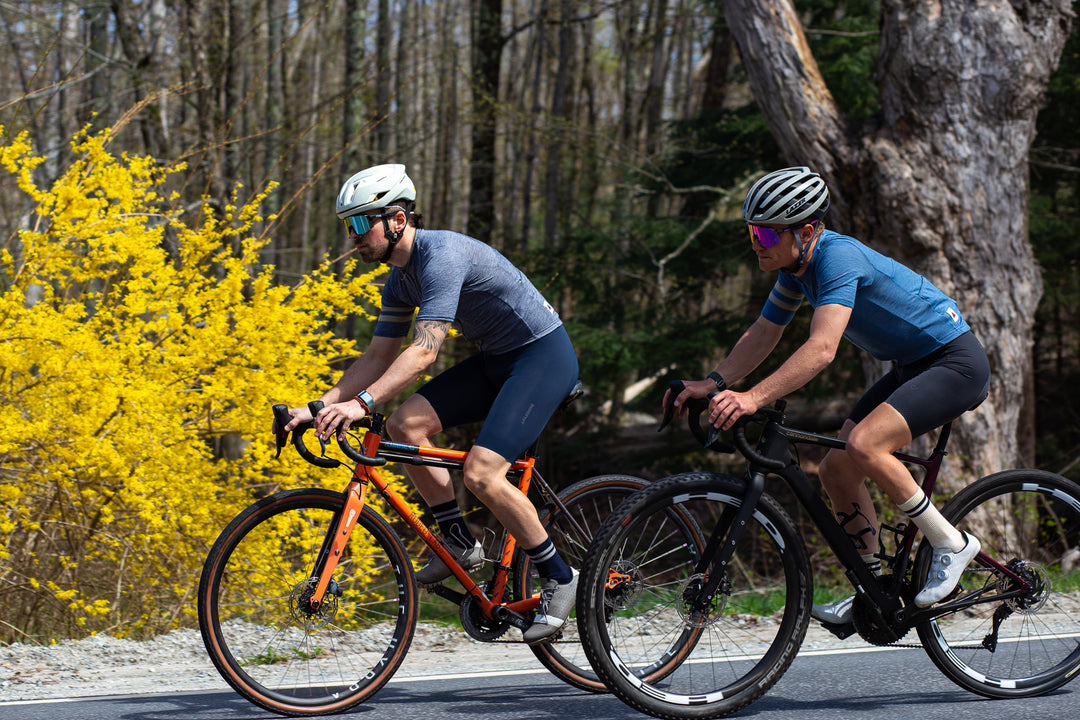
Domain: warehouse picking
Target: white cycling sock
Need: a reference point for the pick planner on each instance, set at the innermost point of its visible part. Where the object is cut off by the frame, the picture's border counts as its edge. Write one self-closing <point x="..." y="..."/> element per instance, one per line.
<point x="872" y="562"/>
<point x="939" y="531"/>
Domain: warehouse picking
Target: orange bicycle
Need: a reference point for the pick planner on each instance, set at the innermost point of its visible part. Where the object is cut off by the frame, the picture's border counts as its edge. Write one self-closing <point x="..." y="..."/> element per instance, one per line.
<point x="307" y="601"/>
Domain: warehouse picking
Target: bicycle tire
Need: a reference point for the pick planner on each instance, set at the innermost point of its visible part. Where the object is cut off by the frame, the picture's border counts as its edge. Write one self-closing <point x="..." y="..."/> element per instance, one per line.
<point x="589" y="502"/>
<point x="1028" y="520"/>
<point x="719" y="660"/>
<point x="280" y="658"/>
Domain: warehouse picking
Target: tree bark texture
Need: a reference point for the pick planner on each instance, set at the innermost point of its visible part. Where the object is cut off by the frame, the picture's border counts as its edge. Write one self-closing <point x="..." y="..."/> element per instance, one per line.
<point x="940" y="180"/>
<point x="488" y="42"/>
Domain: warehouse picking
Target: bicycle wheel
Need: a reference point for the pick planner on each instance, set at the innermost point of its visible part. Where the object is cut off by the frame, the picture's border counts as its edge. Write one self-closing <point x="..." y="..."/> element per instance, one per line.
<point x="655" y="651"/>
<point x="1028" y="520"/>
<point x="275" y="654"/>
<point x="588" y="503"/>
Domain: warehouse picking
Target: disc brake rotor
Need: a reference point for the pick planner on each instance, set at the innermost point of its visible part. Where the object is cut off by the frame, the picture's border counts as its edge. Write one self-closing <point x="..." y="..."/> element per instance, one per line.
<point x="300" y="604"/>
<point x="695" y="612"/>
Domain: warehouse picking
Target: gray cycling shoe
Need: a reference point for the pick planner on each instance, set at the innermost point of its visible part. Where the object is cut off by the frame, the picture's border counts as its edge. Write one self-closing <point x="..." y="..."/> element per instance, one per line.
<point x="945" y="571"/>
<point x="436" y="570"/>
<point x="556" y="602"/>
<point x="836" y="613"/>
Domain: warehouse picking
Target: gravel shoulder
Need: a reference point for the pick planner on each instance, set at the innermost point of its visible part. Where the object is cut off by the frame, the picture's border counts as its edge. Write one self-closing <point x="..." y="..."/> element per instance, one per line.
<point x="177" y="662"/>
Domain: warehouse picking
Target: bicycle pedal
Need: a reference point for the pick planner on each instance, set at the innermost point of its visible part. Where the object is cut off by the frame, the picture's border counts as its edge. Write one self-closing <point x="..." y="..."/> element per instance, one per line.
<point x="842" y="631"/>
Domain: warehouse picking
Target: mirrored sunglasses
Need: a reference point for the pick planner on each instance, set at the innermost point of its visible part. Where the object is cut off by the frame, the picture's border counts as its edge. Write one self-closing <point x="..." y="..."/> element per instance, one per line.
<point x="360" y="224"/>
<point x="766" y="237"/>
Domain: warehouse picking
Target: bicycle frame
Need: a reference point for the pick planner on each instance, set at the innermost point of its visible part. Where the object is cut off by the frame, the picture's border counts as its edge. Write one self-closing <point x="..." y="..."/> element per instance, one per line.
<point x="772" y="455"/>
<point x="365" y="475"/>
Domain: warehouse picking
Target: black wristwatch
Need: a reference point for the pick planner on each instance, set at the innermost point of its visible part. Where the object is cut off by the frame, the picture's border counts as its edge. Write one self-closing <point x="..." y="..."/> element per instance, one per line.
<point x="716" y="378"/>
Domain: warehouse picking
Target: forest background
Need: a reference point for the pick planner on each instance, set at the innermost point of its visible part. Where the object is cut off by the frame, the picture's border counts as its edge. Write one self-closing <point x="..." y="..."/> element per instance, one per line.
<point x="171" y="264"/>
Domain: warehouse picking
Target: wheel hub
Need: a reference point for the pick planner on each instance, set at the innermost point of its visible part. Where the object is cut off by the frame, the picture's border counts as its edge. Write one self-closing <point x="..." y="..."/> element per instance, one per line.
<point x="624" y="586"/>
<point x="699" y="612"/>
<point x="1039" y="580"/>
<point x="300" y="604"/>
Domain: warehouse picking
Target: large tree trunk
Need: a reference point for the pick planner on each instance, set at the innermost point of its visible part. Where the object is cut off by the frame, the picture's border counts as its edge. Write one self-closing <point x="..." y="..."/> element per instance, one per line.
<point x="940" y="183"/>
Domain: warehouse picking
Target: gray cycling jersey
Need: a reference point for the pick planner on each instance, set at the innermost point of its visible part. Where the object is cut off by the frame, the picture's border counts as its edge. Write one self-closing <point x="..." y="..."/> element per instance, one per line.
<point x="456" y="278"/>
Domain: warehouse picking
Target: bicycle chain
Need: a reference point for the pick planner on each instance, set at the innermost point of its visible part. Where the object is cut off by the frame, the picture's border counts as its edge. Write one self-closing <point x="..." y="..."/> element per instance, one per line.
<point x="919" y="646"/>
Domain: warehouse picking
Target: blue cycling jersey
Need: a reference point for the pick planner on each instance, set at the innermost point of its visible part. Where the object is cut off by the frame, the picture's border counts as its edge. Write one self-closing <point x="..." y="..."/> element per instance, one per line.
<point x="896" y="314"/>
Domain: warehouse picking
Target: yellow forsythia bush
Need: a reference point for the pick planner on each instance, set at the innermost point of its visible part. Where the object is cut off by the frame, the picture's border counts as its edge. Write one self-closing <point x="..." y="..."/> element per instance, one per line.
<point x="132" y="339"/>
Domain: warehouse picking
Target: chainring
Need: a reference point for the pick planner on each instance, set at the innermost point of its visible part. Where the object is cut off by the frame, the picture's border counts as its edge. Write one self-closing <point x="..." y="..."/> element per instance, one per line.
<point x="869" y="626"/>
<point x="480" y="627"/>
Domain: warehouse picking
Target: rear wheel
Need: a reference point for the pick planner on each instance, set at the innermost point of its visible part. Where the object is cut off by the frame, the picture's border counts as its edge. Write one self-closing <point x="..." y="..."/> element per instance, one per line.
<point x="1026" y="644"/>
<point x="588" y="503"/>
<point x="653" y="639"/>
<point x="259" y="628"/>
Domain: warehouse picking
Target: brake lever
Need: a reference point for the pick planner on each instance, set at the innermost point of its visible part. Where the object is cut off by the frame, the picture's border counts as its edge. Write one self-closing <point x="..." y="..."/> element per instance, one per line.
<point x="675" y="388"/>
<point x="281" y="419"/>
<point x="314" y="407"/>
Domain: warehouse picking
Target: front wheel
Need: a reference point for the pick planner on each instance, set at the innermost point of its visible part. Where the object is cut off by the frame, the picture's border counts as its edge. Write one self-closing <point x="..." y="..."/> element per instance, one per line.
<point x="1019" y="646"/>
<point x="259" y="629"/>
<point x="654" y="639"/>
<point x="588" y="503"/>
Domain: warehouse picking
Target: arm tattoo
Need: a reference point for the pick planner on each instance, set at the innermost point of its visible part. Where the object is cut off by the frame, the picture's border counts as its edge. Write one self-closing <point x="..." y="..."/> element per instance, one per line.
<point x="429" y="334"/>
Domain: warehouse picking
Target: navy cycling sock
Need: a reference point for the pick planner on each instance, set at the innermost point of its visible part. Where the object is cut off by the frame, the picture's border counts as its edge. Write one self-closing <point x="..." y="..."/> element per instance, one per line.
<point x="452" y="524"/>
<point x="549" y="564"/>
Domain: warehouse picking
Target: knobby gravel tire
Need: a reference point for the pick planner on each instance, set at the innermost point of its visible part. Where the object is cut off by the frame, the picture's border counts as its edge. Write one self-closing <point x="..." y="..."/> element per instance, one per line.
<point x="1028" y="520"/>
<point x="655" y="651"/>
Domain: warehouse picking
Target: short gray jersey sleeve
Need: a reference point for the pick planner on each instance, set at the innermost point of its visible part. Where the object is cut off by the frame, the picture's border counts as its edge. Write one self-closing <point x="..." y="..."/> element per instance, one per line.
<point x="453" y="277"/>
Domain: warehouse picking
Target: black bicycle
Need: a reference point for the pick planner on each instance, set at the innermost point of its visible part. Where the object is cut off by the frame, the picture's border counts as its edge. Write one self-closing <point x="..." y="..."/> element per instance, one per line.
<point x="733" y="601"/>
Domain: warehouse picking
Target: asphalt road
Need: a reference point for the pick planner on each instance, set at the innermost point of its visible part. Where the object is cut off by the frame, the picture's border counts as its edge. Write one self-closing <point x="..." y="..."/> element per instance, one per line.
<point x="861" y="684"/>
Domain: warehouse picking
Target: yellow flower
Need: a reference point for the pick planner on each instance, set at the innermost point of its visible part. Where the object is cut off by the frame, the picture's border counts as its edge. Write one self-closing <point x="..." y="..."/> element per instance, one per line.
<point x="135" y="387"/>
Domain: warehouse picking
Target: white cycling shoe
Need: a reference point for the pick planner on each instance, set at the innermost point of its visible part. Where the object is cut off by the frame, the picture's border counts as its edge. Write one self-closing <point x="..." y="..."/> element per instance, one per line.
<point x="835" y="613"/>
<point x="945" y="570"/>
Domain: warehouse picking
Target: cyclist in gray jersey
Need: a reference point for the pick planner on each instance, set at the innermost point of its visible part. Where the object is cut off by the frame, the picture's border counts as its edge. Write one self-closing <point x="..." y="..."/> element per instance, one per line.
<point x="524" y="369"/>
<point x="940" y="368"/>
<point x="453" y="277"/>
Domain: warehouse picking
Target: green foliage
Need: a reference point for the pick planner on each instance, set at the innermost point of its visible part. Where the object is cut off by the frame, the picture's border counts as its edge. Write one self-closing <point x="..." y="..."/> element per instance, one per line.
<point x="847" y="51"/>
<point x="718" y="149"/>
<point x="624" y="322"/>
<point x="1054" y="219"/>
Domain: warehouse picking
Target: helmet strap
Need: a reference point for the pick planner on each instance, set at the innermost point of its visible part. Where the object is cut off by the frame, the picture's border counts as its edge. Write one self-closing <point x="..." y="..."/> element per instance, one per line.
<point x="802" y="248"/>
<point x="795" y="266"/>
<point x="392" y="238"/>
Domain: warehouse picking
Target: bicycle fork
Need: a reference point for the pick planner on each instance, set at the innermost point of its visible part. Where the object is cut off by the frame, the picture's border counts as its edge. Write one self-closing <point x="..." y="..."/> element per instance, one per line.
<point x="721" y="545"/>
<point x="337" y="536"/>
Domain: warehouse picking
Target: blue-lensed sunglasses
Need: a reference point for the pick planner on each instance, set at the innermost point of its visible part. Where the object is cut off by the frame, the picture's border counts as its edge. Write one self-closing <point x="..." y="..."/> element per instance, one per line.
<point x="360" y="224"/>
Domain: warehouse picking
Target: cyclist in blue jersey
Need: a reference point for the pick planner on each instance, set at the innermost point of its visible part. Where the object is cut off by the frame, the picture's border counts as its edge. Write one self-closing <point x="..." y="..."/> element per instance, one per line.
<point x="524" y="369"/>
<point x="940" y="369"/>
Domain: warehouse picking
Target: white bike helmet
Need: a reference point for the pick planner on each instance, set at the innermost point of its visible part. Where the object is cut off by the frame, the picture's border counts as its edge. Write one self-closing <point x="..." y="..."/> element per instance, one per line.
<point x="373" y="189"/>
<point x="786" y="197"/>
